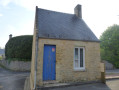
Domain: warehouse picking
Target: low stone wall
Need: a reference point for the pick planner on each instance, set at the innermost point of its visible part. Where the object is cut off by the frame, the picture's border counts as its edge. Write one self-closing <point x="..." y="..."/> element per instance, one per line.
<point x="108" y="66"/>
<point x="16" y="65"/>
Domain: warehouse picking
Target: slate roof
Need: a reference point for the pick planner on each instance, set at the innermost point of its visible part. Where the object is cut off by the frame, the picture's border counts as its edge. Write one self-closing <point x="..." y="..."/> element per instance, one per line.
<point x="59" y="25"/>
<point x="2" y="51"/>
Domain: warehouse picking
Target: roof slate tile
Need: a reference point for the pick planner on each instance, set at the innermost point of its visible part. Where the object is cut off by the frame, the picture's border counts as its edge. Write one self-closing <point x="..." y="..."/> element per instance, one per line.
<point x="59" y="25"/>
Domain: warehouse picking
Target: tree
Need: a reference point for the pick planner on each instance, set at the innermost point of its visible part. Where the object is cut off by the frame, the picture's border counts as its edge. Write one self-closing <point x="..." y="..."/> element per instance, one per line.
<point x="110" y="45"/>
<point x="19" y="48"/>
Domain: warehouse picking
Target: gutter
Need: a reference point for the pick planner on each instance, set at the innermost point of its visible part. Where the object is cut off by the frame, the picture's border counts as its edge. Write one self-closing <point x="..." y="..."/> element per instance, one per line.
<point x="36" y="51"/>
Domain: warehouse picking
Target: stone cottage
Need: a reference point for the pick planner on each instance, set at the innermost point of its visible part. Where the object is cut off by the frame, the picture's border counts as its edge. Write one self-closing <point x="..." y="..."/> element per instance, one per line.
<point x="65" y="50"/>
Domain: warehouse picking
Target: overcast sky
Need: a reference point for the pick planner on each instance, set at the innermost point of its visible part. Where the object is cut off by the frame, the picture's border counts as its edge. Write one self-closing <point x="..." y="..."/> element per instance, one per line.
<point x="17" y="16"/>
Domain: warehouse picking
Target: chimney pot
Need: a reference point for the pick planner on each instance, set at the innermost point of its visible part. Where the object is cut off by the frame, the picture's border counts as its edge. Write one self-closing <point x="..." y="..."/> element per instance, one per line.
<point x="78" y="11"/>
<point x="10" y="36"/>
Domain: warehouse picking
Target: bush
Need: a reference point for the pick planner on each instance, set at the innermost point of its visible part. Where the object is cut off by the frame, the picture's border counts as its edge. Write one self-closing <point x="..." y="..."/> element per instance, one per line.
<point x="0" y="57"/>
<point x="19" y="48"/>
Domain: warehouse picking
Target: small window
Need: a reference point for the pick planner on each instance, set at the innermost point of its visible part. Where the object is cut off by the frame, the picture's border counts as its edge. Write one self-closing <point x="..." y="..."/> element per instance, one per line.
<point x="79" y="60"/>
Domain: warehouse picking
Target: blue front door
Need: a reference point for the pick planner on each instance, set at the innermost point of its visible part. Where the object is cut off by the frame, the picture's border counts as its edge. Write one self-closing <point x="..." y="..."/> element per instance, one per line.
<point x="49" y="60"/>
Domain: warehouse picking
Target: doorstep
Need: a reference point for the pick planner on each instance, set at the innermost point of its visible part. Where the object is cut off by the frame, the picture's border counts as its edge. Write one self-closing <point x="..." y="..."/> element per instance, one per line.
<point x="107" y="77"/>
<point x="60" y="85"/>
<point x="49" y="82"/>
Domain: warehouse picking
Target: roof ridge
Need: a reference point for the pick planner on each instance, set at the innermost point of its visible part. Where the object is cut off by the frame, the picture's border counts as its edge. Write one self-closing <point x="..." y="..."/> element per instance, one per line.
<point x="55" y="11"/>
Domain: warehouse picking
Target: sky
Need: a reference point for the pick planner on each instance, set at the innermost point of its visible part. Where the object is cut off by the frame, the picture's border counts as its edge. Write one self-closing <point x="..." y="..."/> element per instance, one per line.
<point x="17" y="16"/>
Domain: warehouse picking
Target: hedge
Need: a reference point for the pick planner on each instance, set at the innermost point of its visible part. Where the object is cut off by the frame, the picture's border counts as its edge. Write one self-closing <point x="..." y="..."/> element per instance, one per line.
<point x="19" y="48"/>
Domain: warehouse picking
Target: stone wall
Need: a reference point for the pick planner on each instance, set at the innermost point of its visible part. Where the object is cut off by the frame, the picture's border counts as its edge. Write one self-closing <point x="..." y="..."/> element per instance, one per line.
<point x="16" y="65"/>
<point x="64" y="61"/>
<point x="108" y="66"/>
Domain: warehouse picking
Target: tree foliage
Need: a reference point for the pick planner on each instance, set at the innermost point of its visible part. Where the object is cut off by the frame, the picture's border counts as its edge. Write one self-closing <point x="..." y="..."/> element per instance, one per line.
<point x="19" y="48"/>
<point x="110" y="45"/>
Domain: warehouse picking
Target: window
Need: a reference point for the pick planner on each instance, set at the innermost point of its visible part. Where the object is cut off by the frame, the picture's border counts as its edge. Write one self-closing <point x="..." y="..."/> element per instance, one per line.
<point x="79" y="58"/>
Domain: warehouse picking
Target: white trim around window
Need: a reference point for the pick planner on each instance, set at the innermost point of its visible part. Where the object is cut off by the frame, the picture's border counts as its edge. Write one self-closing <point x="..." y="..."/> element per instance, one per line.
<point x="79" y="58"/>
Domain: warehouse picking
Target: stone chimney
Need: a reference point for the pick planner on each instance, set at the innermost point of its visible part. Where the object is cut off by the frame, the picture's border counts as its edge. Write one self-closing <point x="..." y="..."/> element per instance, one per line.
<point x="78" y="11"/>
<point x="10" y="36"/>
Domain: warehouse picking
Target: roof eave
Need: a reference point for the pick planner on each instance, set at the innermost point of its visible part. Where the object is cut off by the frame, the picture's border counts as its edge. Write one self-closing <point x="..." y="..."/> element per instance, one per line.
<point x="72" y="39"/>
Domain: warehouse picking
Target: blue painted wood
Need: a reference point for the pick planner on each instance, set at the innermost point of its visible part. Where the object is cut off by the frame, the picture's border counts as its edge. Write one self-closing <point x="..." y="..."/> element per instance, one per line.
<point x="49" y="60"/>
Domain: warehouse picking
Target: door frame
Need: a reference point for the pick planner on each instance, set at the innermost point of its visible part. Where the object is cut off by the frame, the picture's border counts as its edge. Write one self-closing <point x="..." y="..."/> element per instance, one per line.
<point x="43" y="61"/>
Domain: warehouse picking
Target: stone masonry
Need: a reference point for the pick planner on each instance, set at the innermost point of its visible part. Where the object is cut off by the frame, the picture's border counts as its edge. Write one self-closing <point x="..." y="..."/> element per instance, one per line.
<point x="16" y="65"/>
<point x="64" y="61"/>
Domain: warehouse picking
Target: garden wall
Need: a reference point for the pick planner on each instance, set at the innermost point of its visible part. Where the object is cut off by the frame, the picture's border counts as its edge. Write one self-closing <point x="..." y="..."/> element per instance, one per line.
<point x="108" y="66"/>
<point x="16" y="65"/>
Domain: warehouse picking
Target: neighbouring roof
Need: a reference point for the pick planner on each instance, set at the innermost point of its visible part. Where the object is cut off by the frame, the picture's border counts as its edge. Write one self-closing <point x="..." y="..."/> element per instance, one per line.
<point x="2" y="51"/>
<point x="59" y="25"/>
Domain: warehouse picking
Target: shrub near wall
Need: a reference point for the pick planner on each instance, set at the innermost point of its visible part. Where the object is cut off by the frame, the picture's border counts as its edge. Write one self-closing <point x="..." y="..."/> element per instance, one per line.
<point x="0" y="57"/>
<point x="19" y="48"/>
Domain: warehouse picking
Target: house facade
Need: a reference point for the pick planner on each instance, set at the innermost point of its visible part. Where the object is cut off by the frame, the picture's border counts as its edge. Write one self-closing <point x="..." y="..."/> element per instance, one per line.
<point x="65" y="50"/>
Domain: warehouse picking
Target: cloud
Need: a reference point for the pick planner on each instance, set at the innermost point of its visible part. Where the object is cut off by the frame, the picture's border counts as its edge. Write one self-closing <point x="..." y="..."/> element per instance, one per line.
<point x="28" y="4"/>
<point x="1" y="14"/>
<point x="5" y="2"/>
<point x="27" y="28"/>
